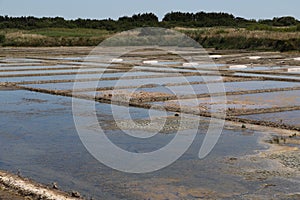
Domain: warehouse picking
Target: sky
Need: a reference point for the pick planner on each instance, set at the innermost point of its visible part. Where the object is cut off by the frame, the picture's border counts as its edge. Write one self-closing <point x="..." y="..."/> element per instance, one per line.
<point x="100" y="9"/>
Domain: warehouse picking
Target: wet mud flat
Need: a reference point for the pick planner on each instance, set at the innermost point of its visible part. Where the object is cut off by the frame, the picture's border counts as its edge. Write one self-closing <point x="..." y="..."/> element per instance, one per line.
<point x="255" y="157"/>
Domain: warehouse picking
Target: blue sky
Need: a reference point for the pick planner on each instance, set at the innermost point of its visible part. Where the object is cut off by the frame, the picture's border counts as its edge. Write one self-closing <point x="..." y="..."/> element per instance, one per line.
<point x="99" y="9"/>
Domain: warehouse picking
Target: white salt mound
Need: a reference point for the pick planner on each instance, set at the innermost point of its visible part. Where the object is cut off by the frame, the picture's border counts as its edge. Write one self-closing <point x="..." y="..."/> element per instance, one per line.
<point x="294" y="69"/>
<point x="254" y="57"/>
<point x="215" y="56"/>
<point x="238" y="67"/>
<point x="191" y="64"/>
<point x="150" y="62"/>
<point x="117" y="60"/>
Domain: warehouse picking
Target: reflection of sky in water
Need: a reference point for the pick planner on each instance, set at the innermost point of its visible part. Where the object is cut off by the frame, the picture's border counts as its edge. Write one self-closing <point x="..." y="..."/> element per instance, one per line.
<point x="266" y="75"/>
<point x="54" y="71"/>
<point x="216" y="88"/>
<point x="21" y="60"/>
<point x="288" y="117"/>
<point x="229" y="87"/>
<point x="119" y="83"/>
<point x="78" y="76"/>
<point x="153" y="68"/>
<point x="33" y="67"/>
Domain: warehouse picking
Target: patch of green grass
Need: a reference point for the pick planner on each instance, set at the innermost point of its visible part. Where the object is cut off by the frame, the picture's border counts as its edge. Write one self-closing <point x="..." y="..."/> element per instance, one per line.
<point x="65" y="32"/>
<point x="272" y="28"/>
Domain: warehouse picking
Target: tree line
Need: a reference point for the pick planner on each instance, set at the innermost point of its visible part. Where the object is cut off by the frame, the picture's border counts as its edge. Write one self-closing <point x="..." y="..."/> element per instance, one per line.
<point x="172" y="19"/>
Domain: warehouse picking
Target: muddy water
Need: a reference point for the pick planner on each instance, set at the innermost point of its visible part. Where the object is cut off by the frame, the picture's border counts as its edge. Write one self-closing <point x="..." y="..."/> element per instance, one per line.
<point x="39" y="139"/>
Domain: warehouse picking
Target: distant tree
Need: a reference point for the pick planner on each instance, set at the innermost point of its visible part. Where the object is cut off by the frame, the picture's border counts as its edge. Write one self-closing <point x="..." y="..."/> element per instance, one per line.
<point x="284" y="21"/>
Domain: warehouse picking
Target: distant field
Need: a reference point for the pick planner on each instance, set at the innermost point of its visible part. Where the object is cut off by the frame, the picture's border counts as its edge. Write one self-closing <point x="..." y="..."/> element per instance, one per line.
<point x="64" y="32"/>
<point x="276" y="33"/>
<point x="53" y="37"/>
<point x="281" y="39"/>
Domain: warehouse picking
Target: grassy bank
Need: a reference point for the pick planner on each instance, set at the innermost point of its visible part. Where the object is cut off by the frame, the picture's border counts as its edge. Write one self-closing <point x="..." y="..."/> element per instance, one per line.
<point x="52" y="37"/>
<point x="280" y="39"/>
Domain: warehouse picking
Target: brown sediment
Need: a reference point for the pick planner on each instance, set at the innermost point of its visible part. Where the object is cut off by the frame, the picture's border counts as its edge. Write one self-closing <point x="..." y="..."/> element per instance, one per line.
<point x="8" y="86"/>
<point x="167" y="189"/>
<point x="278" y="161"/>
<point x="16" y="186"/>
<point x="239" y="112"/>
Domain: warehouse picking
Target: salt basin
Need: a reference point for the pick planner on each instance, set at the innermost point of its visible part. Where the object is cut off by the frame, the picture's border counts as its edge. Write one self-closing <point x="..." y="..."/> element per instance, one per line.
<point x="298" y="59"/>
<point x="294" y="69"/>
<point x="254" y="57"/>
<point x="150" y="62"/>
<point x="191" y="64"/>
<point x="117" y="60"/>
<point x="237" y="67"/>
<point x="215" y="56"/>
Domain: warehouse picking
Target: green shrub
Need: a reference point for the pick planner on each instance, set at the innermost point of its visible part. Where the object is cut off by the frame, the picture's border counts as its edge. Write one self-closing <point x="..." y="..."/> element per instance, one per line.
<point x="298" y="27"/>
<point x="241" y="42"/>
<point x="2" y="38"/>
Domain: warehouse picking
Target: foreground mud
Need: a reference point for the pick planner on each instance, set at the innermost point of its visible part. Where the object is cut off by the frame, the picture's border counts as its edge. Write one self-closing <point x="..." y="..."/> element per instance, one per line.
<point x="15" y="187"/>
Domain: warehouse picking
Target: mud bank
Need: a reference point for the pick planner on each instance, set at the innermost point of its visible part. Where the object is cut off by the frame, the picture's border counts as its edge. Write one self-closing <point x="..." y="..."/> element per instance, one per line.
<point x="12" y="186"/>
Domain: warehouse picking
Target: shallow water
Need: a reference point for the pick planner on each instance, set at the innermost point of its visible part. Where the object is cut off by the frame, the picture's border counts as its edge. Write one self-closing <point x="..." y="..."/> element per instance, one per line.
<point x="170" y="69"/>
<point x="260" y="68"/>
<point x="247" y="101"/>
<point x="272" y="99"/>
<point x="21" y="60"/>
<point x="33" y="67"/>
<point x="119" y="83"/>
<point x="267" y="76"/>
<point x="54" y="71"/>
<point x="287" y="117"/>
<point x="228" y="87"/>
<point x="78" y="76"/>
<point x="44" y="146"/>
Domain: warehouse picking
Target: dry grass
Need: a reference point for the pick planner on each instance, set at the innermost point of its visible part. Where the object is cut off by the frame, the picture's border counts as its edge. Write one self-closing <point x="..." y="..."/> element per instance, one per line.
<point x="238" y="32"/>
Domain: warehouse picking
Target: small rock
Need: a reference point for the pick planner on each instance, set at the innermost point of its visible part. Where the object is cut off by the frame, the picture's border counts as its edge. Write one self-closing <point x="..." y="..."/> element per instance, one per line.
<point x="54" y="185"/>
<point x="76" y="194"/>
<point x="276" y="140"/>
<point x="269" y="185"/>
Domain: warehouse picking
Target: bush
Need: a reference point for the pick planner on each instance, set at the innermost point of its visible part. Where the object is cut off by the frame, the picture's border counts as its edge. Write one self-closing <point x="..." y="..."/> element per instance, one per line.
<point x="2" y="38"/>
<point x="241" y="42"/>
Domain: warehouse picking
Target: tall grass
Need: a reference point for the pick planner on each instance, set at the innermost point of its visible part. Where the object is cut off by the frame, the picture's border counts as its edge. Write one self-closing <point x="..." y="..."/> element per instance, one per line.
<point x="65" y="32"/>
<point x="54" y="37"/>
<point x="272" y="28"/>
